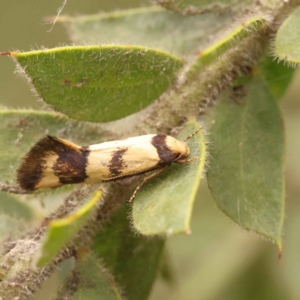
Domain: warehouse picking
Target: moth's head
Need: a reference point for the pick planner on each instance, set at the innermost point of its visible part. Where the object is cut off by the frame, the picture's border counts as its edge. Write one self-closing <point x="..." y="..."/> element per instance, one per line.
<point x="184" y="149"/>
<point x="180" y="148"/>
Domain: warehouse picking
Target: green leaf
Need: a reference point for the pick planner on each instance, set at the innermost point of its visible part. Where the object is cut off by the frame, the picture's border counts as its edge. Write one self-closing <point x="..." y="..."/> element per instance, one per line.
<point x="21" y="129"/>
<point x="133" y="259"/>
<point x="12" y="206"/>
<point x="11" y="229"/>
<point x="164" y="204"/>
<point x="192" y="7"/>
<point x="16" y="218"/>
<point x="277" y="75"/>
<point x="166" y="270"/>
<point x="152" y="26"/>
<point x="246" y="170"/>
<point x="214" y="255"/>
<point x="90" y="281"/>
<point x="227" y="41"/>
<point x="99" y="83"/>
<point x="287" y="42"/>
<point x="60" y="232"/>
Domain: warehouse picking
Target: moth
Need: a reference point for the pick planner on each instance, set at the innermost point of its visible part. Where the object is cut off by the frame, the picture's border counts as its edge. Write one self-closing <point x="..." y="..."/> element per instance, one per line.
<point x="53" y="162"/>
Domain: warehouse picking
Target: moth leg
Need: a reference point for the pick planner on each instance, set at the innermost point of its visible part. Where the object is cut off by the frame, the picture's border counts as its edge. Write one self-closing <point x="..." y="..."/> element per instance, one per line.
<point x="144" y="181"/>
<point x="183" y="161"/>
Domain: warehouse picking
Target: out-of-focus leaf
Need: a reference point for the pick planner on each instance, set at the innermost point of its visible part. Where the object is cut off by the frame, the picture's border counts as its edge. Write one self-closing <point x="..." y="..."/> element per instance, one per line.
<point x="277" y="75"/>
<point x="21" y="129"/>
<point x="90" y="281"/>
<point x="166" y="270"/>
<point x="246" y="171"/>
<point x="11" y="228"/>
<point x="150" y="26"/>
<point x="164" y="204"/>
<point x="132" y="259"/>
<point x="287" y="42"/>
<point x="12" y="206"/>
<point x="290" y="266"/>
<point x="15" y="217"/>
<point x="44" y="203"/>
<point x="99" y="83"/>
<point x="60" y="232"/>
<point x="255" y="282"/>
<point x="55" y="283"/>
<point x="192" y="7"/>
<point x="215" y="254"/>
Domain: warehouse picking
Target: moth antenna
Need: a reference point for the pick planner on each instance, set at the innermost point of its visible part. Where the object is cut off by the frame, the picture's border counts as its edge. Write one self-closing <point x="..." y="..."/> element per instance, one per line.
<point x="193" y="134"/>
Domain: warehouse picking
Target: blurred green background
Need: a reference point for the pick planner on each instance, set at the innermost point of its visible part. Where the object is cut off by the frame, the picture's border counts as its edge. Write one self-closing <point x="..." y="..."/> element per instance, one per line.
<point x="219" y="260"/>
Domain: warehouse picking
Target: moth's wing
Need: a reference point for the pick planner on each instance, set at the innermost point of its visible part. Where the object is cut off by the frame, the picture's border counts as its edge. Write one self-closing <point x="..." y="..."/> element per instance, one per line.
<point x="122" y="158"/>
<point x="44" y="164"/>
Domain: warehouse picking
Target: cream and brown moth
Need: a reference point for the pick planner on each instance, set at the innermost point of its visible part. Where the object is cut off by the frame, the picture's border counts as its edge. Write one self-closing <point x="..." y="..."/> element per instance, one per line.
<point x="53" y="162"/>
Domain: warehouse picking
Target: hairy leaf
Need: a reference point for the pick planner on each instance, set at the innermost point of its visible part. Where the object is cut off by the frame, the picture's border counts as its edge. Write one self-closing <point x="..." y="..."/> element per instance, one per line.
<point x="287" y="42"/>
<point x="247" y="24"/>
<point x="99" y="83"/>
<point x="149" y="26"/>
<point x="164" y="204"/>
<point x="246" y="173"/>
<point x="277" y="75"/>
<point x="60" y="232"/>
<point x="192" y="7"/>
<point x="132" y="259"/>
<point x="90" y="280"/>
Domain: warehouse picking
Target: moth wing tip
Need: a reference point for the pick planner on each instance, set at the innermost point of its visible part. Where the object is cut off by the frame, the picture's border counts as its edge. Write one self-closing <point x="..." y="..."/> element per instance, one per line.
<point x="25" y="180"/>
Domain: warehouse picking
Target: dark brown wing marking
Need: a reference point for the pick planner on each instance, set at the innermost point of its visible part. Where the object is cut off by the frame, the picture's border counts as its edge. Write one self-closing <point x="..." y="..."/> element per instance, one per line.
<point x="70" y="167"/>
<point x="117" y="164"/>
<point x="31" y="170"/>
<point x="165" y="154"/>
